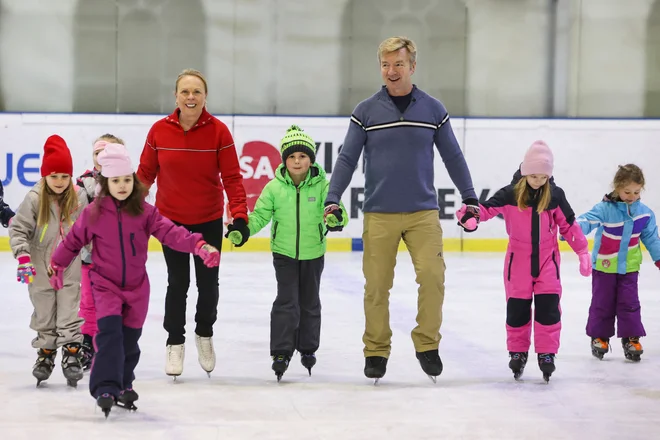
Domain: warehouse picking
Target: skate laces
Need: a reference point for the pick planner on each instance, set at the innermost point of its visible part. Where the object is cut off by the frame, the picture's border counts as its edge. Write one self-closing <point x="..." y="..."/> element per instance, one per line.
<point x="174" y="354"/>
<point x="206" y="347"/>
<point x="546" y="358"/>
<point x="634" y="343"/>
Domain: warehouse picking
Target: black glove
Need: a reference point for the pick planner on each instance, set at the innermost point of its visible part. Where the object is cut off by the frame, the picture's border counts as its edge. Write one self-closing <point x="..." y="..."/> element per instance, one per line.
<point x="5" y="215"/>
<point x="332" y="216"/>
<point x="239" y="225"/>
<point x="469" y="215"/>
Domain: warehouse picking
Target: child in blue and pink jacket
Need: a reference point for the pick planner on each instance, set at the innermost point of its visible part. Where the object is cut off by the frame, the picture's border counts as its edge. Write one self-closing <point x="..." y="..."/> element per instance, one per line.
<point x="534" y="208"/>
<point x="118" y="224"/>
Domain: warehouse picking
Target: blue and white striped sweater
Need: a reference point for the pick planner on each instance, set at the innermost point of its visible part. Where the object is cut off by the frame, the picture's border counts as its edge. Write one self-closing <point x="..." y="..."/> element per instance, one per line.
<point x="398" y="154"/>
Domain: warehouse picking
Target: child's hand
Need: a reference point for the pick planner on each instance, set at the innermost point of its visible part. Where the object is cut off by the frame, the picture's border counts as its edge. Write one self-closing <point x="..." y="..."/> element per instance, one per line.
<point x="239" y="226"/>
<point x="209" y="254"/>
<point x="25" y="273"/>
<point x="235" y="237"/>
<point x="56" y="276"/>
<point x="332" y="215"/>
<point x="468" y="215"/>
<point x="585" y="264"/>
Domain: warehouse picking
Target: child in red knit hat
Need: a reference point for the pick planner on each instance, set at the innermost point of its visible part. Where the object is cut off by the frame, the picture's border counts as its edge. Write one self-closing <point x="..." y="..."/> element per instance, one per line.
<point x="41" y="222"/>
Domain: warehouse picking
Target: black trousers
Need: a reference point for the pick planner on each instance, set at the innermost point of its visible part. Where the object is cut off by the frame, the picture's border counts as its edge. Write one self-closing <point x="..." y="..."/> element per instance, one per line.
<point x="295" y="319"/>
<point x="117" y="355"/>
<point x="178" y="282"/>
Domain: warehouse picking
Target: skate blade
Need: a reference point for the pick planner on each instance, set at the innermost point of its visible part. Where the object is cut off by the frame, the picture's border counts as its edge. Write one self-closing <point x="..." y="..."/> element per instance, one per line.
<point x="310" y="371"/>
<point x="517" y="375"/>
<point x="130" y="406"/>
<point x="546" y="378"/>
<point x="106" y="412"/>
<point x="376" y="381"/>
<point x="433" y="378"/>
<point x="279" y="377"/>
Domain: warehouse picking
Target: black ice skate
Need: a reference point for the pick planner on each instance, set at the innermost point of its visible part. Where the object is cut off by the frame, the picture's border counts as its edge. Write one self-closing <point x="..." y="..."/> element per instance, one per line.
<point x="87" y="352"/>
<point x="431" y="363"/>
<point x="280" y="365"/>
<point x="43" y="368"/>
<point x="71" y="363"/>
<point x="517" y="363"/>
<point x="308" y="360"/>
<point x="599" y="347"/>
<point x="127" y="398"/>
<point x="375" y="367"/>
<point x="632" y="349"/>
<point x="547" y="365"/>
<point x="105" y="401"/>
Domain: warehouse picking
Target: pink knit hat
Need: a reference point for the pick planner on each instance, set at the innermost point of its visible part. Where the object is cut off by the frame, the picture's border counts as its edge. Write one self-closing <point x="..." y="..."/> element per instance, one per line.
<point x="538" y="160"/>
<point x="100" y="145"/>
<point x="115" y="161"/>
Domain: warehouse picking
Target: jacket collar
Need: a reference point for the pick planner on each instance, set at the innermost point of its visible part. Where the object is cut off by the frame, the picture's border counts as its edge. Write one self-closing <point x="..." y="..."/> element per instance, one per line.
<point x="204" y="118"/>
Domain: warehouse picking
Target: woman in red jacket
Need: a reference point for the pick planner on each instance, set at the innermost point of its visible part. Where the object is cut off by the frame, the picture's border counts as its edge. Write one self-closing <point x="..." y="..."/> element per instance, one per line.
<point x="192" y="156"/>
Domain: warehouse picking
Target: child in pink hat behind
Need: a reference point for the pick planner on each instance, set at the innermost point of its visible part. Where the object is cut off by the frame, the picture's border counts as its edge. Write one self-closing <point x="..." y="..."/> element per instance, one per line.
<point x="119" y="224"/>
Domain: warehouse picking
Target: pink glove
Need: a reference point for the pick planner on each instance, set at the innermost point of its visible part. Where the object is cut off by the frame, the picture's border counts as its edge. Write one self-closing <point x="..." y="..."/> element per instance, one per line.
<point x="208" y="254"/>
<point x="25" y="272"/>
<point x="468" y="217"/>
<point x="585" y="264"/>
<point x="56" y="274"/>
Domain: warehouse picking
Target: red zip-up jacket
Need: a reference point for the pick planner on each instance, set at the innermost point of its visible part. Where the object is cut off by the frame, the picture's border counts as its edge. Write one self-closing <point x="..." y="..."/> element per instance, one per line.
<point x="189" y="166"/>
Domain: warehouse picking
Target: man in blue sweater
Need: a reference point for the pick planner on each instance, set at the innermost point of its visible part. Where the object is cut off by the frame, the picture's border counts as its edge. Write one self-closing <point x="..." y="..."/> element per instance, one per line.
<point x="397" y="128"/>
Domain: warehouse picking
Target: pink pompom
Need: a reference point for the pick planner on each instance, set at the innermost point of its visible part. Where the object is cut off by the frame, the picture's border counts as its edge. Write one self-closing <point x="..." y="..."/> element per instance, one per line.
<point x="471" y="224"/>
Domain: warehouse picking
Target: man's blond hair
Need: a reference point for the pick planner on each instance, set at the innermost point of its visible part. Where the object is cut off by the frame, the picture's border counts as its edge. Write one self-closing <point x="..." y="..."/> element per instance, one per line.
<point x="394" y="44"/>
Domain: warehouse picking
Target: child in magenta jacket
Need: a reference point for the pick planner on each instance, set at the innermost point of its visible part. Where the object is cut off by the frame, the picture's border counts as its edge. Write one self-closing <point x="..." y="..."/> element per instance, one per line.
<point x="534" y="208"/>
<point x="118" y="224"/>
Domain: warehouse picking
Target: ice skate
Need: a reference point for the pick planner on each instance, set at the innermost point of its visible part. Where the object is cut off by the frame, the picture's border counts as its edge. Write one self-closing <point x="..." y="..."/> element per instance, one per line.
<point x="599" y="347"/>
<point x="517" y="363"/>
<point x="632" y="349"/>
<point x="205" y="353"/>
<point x="174" y="360"/>
<point x="43" y="368"/>
<point x="127" y="398"/>
<point x="431" y="363"/>
<point x="87" y="353"/>
<point x="105" y="401"/>
<point x="71" y="363"/>
<point x="547" y="365"/>
<point x="308" y="360"/>
<point x="375" y="367"/>
<point x="280" y="365"/>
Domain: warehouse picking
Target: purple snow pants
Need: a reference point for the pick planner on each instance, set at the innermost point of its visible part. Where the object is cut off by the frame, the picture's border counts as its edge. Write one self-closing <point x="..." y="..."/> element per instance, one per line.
<point x="614" y="296"/>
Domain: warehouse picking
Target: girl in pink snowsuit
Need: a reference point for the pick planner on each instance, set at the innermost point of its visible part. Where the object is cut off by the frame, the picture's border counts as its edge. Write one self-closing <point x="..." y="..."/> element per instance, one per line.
<point x="89" y="182"/>
<point x="118" y="224"/>
<point x="534" y="208"/>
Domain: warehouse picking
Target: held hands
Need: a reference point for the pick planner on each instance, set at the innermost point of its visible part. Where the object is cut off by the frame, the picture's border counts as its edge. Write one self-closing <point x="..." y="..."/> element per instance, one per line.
<point x="585" y="264"/>
<point x="238" y="232"/>
<point x="332" y="215"/>
<point x="25" y="272"/>
<point x="208" y="254"/>
<point x="468" y="216"/>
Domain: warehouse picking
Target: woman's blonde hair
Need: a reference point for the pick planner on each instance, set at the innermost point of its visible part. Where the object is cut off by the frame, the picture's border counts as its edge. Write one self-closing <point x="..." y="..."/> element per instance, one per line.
<point x="522" y="193"/>
<point x="67" y="203"/>
<point x="190" y="72"/>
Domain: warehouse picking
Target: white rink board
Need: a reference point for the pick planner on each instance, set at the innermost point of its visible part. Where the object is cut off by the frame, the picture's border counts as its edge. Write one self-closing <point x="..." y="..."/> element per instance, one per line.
<point x="587" y="153"/>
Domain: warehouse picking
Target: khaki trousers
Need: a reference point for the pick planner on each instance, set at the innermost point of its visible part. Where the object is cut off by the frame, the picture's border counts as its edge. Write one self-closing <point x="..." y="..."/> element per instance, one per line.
<point x="422" y="234"/>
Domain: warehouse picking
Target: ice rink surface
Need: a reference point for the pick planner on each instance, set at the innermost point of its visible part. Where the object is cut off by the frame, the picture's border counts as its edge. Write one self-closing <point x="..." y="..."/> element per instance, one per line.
<point x="475" y="397"/>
